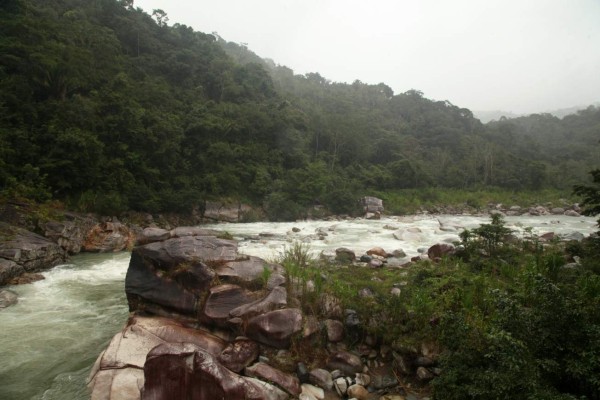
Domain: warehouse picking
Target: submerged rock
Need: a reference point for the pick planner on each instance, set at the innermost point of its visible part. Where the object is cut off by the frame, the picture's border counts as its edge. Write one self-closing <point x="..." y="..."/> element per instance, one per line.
<point x="7" y="298"/>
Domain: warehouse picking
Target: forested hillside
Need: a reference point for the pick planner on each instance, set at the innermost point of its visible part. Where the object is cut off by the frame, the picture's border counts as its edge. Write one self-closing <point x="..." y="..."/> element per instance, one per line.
<point x="107" y="108"/>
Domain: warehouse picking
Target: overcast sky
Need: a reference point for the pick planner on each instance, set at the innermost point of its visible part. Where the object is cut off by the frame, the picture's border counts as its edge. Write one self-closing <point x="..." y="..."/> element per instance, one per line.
<point x="521" y="56"/>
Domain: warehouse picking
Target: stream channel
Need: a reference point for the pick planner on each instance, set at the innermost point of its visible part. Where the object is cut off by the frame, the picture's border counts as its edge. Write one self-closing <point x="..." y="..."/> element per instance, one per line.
<point x="50" y="339"/>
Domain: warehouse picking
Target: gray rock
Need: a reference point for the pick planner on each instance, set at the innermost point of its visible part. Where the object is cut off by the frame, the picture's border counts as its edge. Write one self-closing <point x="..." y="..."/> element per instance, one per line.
<point x="343" y="254"/>
<point x="30" y="251"/>
<point x="335" y="330"/>
<point x="9" y="270"/>
<point x="275" y="328"/>
<point x="7" y="298"/>
<point x="321" y="378"/>
<point x="346" y="362"/>
<point x="277" y="298"/>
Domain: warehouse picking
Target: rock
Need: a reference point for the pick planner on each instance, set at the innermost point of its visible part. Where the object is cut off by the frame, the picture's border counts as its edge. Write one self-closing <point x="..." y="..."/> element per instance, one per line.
<point x="199" y="376"/>
<point x="409" y="235"/>
<point x="30" y="251"/>
<point x="321" y="378"/>
<point x="69" y="233"/>
<point x="276" y="279"/>
<point x="377" y="251"/>
<point x="395" y="291"/>
<point x="371" y="204"/>
<point x="108" y="237"/>
<point x="346" y="362"/>
<point x="311" y="326"/>
<point x="221" y="301"/>
<point x="238" y="354"/>
<point x="312" y="392"/>
<point x="572" y="213"/>
<point x="183" y="231"/>
<point x="424" y="362"/>
<point x="172" y="275"/>
<point x="302" y="372"/>
<point x="362" y="379"/>
<point x="9" y="270"/>
<point x="331" y="306"/>
<point x="289" y="383"/>
<point x="118" y="370"/>
<point x="275" y="328"/>
<point x="557" y="211"/>
<point x="439" y="250"/>
<point x="424" y="374"/>
<point x="373" y="216"/>
<point x="341" y="385"/>
<point x="296" y="229"/>
<point x="227" y="212"/>
<point x="277" y="298"/>
<point x="365" y="258"/>
<point x="358" y="392"/>
<point x="352" y="319"/>
<point x="577" y="236"/>
<point x="246" y="270"/>
<point x="344" y="255"/>
<point x="7" y="298"/>
<point x="548" y="236"/>
<point x="382" y="377"/>
<point x="117" y="384"/>
<point x="366" y="293"/>
<point x="376" y="263"/>
<point x="335" y="330"/>
<point x="151" y="235"/>
<point x="26" y="278"/>
<point x="399" y="253"/>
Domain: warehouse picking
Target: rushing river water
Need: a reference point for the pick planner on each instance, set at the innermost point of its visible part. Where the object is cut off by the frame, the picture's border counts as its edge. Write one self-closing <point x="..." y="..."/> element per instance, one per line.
<point x="52" y="336"/>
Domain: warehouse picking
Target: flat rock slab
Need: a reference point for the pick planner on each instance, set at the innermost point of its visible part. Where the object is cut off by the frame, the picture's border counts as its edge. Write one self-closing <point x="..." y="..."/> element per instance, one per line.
<point x="246" y="270"/>
<point x="27" y="249"/>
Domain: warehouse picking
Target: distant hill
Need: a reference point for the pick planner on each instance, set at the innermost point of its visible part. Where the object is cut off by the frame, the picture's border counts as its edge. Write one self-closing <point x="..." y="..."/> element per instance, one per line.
<point x="495" y="115"/>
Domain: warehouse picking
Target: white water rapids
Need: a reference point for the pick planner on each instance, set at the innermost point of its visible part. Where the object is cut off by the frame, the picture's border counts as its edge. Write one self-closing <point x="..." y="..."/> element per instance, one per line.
<point x="52" y="336"/>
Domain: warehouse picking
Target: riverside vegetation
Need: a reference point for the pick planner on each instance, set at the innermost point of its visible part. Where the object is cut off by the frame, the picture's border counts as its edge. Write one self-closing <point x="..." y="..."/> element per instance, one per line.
<point x="511" y="318"/>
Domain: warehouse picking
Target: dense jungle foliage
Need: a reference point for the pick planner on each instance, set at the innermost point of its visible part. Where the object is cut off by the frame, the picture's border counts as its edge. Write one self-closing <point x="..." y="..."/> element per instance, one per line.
<point x="107" y="108"/>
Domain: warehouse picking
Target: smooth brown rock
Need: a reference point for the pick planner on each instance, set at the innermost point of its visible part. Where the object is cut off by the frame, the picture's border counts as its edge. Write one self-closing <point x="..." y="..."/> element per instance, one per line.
<point x="378" y="251"/>
<point x="335" y="330"/>
<point x="275" y="328"/>
<point x="221" y="300"/>
<point x="108" y="237"/>
<point x="440" y="250"/>
<point x="26" y="278"/>
<point x="346" y="362"/>
<point x="277" y="298"/>
<point x="211" y="381"/>
<point x="168" y="372"/>
<point x="238" y="354"/>
<point x="321" y="378"/>
<point x="358" y="392"/>
<point x="265" y="372"/>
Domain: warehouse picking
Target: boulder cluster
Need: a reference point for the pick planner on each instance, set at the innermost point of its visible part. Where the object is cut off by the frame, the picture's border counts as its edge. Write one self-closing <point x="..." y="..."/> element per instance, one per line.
<point x="209" y="323"/>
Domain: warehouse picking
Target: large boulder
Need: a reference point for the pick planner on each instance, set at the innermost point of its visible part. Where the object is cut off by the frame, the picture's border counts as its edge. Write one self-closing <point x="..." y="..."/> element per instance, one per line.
<point x="109" y="237"/>
<point x="182" y="371"/>
<point x="228" y="212"/>
<point x="28" y="250"/>
<point x="9" y="270"/>
<point x="118" y="372"/>
<point x="371" y="204"/>
<point x="70" y="232"/>
<point x="173" y="275"/>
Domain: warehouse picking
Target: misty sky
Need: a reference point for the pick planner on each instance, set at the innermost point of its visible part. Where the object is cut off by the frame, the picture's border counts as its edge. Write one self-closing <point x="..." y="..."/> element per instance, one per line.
<point x="513" y="55"/>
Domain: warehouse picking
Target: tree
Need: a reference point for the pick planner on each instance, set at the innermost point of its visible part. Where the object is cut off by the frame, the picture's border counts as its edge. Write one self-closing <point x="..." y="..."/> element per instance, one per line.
<point x="161" y="17"/>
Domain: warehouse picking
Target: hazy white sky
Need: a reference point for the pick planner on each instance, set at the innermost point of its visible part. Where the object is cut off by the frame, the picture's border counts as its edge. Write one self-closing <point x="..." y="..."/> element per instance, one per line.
<point x="513" y="55"/>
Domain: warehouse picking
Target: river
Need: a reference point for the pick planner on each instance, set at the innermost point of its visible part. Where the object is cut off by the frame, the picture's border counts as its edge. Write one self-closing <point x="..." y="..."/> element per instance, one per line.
<point x="52" y="336"/>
